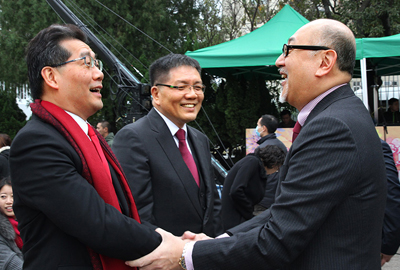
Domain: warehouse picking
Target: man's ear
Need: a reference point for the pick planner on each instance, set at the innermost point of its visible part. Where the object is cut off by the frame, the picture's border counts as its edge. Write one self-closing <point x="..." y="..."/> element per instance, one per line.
<point x="155" y="93"/>
<point x="328" y="61"/>
<point x="265" y="128"/>
<point x="49" y="77"/>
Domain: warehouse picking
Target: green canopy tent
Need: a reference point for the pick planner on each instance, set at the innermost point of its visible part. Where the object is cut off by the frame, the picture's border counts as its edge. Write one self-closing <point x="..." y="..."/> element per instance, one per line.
<point x="383" y="53"/>
<point x="256" y="51"/>
<point x="383" y="56"/>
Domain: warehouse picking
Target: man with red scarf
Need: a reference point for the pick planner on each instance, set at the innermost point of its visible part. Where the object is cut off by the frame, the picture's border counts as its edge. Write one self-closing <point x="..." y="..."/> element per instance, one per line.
<point x="72" y="201"/>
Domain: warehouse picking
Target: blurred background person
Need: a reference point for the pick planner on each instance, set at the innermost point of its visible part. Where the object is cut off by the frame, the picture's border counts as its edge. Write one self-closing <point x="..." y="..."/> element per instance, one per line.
<point x="392" y="115"/>
<point x="5" y="142"/>
<point x="104" y="128"/>
<point x="10" y="240"/>
<point x="245" y="184"/>
<point x="391" y="220"/>
<point x="266" y="127"/>
<point x="287" y="121"/>
<point x="270" y="188"/>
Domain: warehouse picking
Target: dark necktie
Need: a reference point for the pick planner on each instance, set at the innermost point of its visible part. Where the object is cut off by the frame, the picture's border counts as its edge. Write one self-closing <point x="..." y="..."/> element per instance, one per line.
<point x="296" y="131"/>
<point x="99" y="150"/>
<point x="187" y="156"/>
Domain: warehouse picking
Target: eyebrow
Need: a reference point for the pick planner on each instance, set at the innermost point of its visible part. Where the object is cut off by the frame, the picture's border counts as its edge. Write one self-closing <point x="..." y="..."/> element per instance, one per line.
<point x="87" y="53"/>
<point x="183" y="81"/>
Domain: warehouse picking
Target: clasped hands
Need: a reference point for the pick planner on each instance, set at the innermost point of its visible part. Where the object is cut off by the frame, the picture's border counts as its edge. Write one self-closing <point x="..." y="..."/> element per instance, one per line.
<point x="168" y="253"/>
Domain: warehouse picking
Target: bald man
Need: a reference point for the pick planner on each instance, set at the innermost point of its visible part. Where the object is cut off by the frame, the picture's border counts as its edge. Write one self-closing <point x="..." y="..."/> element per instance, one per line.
<point x="331" y="193"/>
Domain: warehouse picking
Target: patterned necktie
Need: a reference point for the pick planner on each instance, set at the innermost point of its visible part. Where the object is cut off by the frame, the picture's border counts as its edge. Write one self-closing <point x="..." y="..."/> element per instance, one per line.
<point x="97" y="145"/>
<point x="296" y="131"/>
<point x="187" y="156"/>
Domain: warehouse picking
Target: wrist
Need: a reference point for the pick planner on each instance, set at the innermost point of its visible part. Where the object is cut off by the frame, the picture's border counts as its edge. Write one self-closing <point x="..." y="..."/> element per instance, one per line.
<point x="182" y="262"/>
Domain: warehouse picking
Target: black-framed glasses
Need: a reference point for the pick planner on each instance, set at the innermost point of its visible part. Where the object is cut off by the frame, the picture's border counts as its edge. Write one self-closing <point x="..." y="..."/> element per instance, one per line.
<point x="89" y="61"/>
<point x="286" y="48"/>
<point x="198" y="88"/>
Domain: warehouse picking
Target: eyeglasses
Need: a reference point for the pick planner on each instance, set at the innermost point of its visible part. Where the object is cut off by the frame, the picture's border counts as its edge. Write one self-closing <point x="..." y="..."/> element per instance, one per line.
<point x="89" y="61"/>
<point x="198" y="88"/>
<point x="286" y="48"/>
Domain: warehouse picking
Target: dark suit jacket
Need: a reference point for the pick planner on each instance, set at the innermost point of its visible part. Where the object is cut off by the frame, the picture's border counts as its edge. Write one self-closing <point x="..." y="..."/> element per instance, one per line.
<point x="391" y="222"/>
<point x="244" y="186"/>
<point x="330" y="200"/>
<point x="4" y="164"/>
<point x="270" y="190"/>
<point x="59" y="213"/>
<point x="271" y="139"/>
<point x="162" y="185"/>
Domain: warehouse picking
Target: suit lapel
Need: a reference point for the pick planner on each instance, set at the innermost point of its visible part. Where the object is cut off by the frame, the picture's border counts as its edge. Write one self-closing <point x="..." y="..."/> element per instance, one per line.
<point x="170" y="149"/>
<point x="340" y="93"/>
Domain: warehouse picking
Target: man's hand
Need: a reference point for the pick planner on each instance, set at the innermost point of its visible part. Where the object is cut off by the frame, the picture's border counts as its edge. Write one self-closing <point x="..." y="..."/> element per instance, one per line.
<point x="385" y="258"/>
<point x="165" y="256"/>
<point x="194" y="237"/>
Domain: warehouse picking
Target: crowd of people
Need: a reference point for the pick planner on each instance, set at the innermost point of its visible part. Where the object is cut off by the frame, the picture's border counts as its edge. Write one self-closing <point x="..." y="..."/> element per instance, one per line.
<point x="146" y="197"/>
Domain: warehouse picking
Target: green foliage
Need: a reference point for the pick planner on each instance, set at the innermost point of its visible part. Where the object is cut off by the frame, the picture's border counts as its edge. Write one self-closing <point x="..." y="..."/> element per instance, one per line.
<point x="153" y="28"/>
<point x="367" y="18"/>
<point x="12" y="117"/>
<point x="20" y="21"/>
<point x="374" y="18"/>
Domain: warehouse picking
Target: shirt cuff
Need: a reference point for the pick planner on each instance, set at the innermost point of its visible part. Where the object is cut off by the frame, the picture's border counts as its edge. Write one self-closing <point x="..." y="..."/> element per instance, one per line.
<point x="188" y="255"/>
<point x="223" y="235"/>
<point x="189" y="252"/>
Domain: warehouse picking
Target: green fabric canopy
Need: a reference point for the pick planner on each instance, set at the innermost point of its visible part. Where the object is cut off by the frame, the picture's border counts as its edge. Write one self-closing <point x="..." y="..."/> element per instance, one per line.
<point x="256" y="51"/>
<point x="383" y="54"/>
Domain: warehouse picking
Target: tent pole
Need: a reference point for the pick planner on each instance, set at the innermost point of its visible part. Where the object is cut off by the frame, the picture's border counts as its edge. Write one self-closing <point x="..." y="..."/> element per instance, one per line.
<point x="363" y="64"/>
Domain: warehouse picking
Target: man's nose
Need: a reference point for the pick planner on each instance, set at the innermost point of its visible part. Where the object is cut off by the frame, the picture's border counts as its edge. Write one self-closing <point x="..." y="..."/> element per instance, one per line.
<point x="280" y="62"/>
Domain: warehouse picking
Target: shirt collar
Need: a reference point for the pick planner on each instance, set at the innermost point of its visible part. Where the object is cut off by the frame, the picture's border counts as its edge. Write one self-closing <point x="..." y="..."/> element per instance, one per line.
<point x="305" y="112"/>
<point x="82" y="123"/>
<point x="171" y="126"/>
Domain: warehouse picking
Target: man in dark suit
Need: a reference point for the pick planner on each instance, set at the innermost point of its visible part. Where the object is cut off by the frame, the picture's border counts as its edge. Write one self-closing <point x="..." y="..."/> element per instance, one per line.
<point x="287" y="121"/>
<point x="165" y="189"/>
<point x="391" y="221"/>
<point x="71" y="199"/>
<point x="392" y="115"/>
<point x="266" y="127"/>
<point x="330" y="200"/>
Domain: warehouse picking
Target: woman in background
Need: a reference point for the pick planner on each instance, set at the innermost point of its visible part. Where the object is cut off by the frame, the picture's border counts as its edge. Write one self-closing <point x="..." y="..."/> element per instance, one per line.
<point x="10" y="240"/>
<point x="245" y="184"/>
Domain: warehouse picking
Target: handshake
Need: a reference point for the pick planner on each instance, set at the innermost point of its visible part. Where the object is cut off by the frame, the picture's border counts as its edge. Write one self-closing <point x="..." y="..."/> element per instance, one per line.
<point x="168" y="254"/>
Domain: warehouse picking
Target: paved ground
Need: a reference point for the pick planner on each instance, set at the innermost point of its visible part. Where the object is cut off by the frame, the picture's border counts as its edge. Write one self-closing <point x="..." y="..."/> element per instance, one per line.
<point x="394" y="263"/>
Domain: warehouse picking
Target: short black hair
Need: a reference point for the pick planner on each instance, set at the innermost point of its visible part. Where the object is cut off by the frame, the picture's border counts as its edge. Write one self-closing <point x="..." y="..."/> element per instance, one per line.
<point x="285" y="112"/>
<point x="271" y="155"/>
<point x="333" y="37"/>
<point x="105" y="124"/>
<point x="5" y="140"/>
<point x="45" y="50"/>
<point x="5" y="181"/>
<point x="392" y="100"/>
<point x="159" y="69"/>
<point x="270" y="122"/>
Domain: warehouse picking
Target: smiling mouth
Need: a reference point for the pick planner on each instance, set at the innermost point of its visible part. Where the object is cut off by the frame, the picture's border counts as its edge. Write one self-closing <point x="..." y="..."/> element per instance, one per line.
<point x="188" y="105"/>
<point x="95" y="90"/>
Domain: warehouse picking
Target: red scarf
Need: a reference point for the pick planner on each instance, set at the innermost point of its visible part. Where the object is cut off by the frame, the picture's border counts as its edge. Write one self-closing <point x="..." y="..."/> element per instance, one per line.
<point x="18" y="239"/>
<point x="93" y="169"/>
